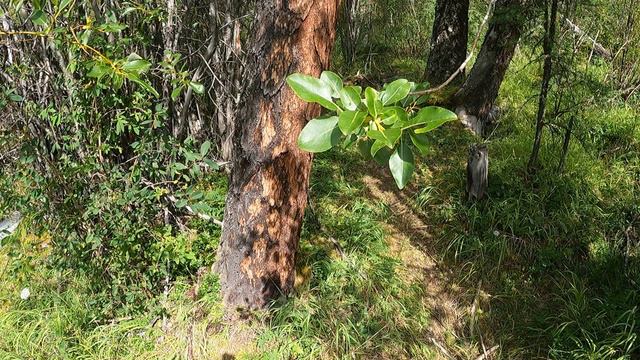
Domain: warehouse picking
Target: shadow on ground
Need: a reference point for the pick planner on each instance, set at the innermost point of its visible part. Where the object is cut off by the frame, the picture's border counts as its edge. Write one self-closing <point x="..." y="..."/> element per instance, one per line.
<point x="532" y="272"/>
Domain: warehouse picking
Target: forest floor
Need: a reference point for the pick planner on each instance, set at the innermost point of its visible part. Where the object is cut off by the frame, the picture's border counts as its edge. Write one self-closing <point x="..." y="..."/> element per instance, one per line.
<point x="410" y="240"/>
<point x="538" y="270"/>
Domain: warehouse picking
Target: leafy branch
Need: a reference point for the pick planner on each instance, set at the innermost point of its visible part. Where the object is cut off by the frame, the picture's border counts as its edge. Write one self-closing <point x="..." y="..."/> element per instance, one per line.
<point x="386" y="125"/>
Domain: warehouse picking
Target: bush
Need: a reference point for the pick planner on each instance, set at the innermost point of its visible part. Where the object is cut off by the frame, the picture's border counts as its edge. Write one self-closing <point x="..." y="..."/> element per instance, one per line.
<point x="90" y="151"/>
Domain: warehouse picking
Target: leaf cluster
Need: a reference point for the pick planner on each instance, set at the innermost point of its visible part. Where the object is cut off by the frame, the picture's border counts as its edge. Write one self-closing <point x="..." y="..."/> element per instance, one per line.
<point x="387" y="125"/>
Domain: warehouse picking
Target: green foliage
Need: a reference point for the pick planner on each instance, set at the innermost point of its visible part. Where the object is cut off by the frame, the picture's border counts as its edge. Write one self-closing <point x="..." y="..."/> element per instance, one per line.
<point x="320" y="135"/>
<point x="57" y="321"/>
<point x="551" y="258"/>
<point x="92" y="158"/>
<point x="550" y="249"/>
<point x="389" y="118"/>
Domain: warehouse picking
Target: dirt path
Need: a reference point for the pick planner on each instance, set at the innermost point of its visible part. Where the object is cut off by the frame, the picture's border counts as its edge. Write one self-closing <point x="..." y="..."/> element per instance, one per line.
<point x="410" y="240"/>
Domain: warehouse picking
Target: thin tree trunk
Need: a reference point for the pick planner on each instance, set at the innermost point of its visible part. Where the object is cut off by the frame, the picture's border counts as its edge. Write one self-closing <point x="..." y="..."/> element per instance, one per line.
<point x="565" y="144"/>
<point x="269" y="178"/>
<point x="549" y="38"/>
<point x="481" y="87"/>
<point x="448" y="48"/>
<point x="211" y="48"/>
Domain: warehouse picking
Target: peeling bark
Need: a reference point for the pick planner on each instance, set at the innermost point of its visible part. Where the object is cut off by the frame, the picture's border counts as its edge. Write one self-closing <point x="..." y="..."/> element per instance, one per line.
<point x="270" y="174"/>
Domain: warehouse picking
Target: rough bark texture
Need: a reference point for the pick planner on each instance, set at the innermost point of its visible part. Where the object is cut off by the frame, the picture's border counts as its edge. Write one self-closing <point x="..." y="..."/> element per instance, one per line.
<point x="449" y="36"/>
<point x="481" y="87"/>
<point x="350" y="30"/>
<point x="269" y="178"/>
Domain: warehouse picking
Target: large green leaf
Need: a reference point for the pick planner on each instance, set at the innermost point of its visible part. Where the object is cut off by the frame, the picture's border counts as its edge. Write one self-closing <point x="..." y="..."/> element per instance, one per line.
<point x="433" y="117"/>
<point x="39" y="17"/>
<point x="319" y="135"/>
<point x="395" y="91"/>
<point x="393" y="115"/>
<point x="117" y="81"/>
<point x="350" y="121"/>
<point x="334" y="81"/>
<point x="13" y="96"/>
<point x="387" y="136"/>
<point x="311" y="89"/>
<point x="111" y="27"/>
<point x="134" y="63"/>
<point x="364" y="147"/>
<point x="401" y="164"/>
<point x="382" y="156"/>
<point x="142" y="83"/>
<point x="197" y="87"/>
<point x="176" y="92"/>
<point x="99" y="70"/>
<point x="350" y="97"/>
<point x="204" y="148"/>
<point x="377" y="146"/>
<point x="373" y="103"/>
<point x="420" y="141"/>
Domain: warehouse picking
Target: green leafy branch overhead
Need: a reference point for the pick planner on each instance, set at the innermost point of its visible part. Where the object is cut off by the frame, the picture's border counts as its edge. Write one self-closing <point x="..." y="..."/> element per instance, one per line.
<point x="388" y="125"/>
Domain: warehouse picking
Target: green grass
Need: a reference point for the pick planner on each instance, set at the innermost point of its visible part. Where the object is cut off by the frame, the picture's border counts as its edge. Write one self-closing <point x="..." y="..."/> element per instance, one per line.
<point x="540" y="268"/>
<point x="353" y="305"/>
<point x="56" y="322"/>
<point x="345" y="306"/>
<point x="549" y="248"/>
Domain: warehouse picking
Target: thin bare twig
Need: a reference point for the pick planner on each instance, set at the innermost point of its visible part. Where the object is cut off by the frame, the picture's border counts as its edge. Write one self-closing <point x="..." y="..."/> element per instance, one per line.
<point x="442" y="349"/>
<point x="488" y="353"/>
<point x="198" y="214"/>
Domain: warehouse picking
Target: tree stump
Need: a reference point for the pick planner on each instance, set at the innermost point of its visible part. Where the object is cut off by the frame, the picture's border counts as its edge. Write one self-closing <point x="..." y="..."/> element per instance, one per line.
<point x="477" y="172"/>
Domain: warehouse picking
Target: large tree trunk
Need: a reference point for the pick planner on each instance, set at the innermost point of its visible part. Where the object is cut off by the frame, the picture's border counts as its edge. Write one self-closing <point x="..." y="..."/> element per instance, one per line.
<point x="481" y="87"/>
<point x="269" y="178"/>
<point x="449" y="36"/>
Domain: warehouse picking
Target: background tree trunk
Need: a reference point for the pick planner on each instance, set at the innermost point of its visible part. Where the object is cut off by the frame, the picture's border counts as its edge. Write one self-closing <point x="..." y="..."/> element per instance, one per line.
<point x="549" y="38"/>
<point x="565" y="144"/>
<point x="481" y="87"/>
<point x="448" y="48"/>
<point x="350" y="30"/>
<point x="269" y="178"/>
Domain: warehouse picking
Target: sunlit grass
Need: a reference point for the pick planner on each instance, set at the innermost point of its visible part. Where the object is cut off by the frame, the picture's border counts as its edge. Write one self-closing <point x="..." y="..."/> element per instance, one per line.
<point x="548" y="259"/>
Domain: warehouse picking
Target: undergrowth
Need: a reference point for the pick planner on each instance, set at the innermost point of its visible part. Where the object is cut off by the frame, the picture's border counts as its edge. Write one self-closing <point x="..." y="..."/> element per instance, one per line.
<point x="550" y="260"/>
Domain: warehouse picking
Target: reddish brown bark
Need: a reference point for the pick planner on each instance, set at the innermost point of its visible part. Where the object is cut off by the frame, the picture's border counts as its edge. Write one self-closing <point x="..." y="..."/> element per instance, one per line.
<point x="270" y="174"/>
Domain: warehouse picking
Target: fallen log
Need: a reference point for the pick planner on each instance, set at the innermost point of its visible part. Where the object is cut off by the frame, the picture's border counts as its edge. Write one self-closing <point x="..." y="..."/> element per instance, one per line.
<point x="598" y="49"/>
